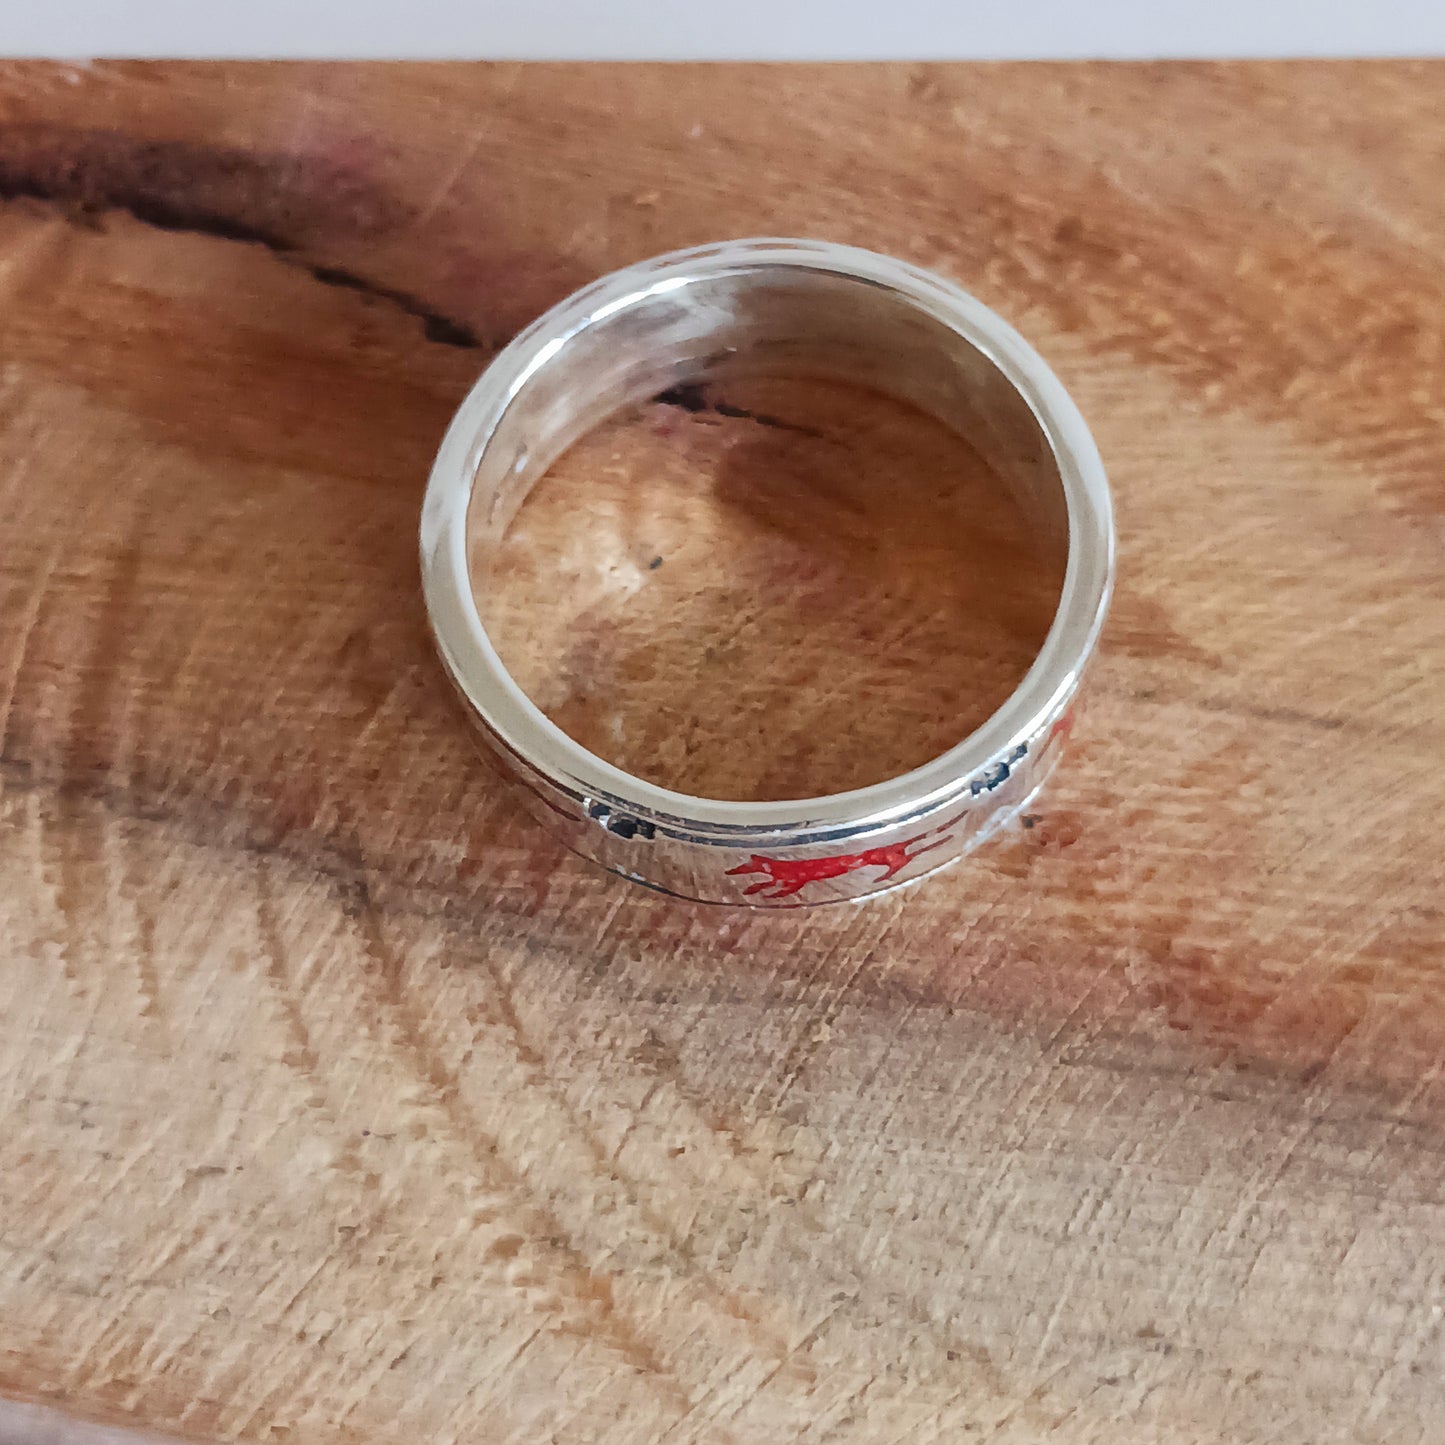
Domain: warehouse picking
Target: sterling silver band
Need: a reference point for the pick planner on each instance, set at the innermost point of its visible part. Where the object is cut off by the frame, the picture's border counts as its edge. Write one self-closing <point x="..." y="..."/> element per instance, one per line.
<point x="802" y="308"/>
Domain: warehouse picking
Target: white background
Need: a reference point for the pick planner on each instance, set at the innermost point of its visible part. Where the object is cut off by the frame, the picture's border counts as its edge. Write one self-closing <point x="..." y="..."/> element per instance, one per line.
<point x="722" y="29"/>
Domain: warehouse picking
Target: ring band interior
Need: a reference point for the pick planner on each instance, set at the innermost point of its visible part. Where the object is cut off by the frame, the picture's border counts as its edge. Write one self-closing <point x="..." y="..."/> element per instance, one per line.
<point x="761" y="319"/>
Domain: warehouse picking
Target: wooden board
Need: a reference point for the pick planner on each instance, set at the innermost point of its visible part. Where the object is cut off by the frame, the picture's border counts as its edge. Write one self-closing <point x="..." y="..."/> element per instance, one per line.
<point x="341" y="1105"/>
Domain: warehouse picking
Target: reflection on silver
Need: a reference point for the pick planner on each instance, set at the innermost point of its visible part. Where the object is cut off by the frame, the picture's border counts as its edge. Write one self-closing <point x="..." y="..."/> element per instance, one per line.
<point x="800" y="308"/>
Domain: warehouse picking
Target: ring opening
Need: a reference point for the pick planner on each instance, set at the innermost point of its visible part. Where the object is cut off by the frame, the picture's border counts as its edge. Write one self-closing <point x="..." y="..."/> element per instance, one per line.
<point x="797" y="535"/>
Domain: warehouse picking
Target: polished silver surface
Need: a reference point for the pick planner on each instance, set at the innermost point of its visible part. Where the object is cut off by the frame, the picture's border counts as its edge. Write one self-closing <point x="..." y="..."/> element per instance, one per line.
<point x="798" y="308"/>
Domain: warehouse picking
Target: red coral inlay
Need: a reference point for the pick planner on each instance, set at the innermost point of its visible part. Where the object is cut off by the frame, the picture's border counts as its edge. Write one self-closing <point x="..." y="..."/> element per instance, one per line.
<point x="783" y="877"/>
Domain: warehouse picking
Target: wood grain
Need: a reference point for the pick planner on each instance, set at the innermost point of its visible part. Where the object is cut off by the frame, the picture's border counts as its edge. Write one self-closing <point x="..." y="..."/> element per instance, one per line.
<point x="341" y="1105"/>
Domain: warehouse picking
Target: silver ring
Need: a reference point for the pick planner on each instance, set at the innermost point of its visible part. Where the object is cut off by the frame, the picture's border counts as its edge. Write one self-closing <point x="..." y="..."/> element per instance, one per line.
<point x="805" y="307"/>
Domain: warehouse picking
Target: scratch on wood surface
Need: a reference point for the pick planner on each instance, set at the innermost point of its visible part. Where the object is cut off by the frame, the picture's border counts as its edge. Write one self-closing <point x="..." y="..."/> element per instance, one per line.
<point x="816" y="1007"/>
<point x="59" y="844"/>
<point x="467" y="152"/>
<point x="1405" y="1353"/>
<point x="609" y="1162"/>
<point x="133" y="887"/>
<point x="559" y="1270"/>
<point x="26" y="619"/>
